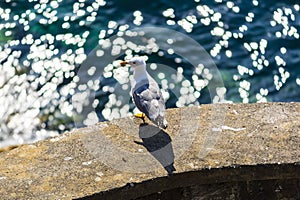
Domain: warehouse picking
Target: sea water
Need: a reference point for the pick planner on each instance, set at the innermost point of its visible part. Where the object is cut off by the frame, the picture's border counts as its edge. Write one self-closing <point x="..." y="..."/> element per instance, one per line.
<point x="44" y="44"/>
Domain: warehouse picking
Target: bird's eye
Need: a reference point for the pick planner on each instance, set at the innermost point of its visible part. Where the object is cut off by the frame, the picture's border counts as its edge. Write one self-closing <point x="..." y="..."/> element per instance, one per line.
<point x="134" y="63"/>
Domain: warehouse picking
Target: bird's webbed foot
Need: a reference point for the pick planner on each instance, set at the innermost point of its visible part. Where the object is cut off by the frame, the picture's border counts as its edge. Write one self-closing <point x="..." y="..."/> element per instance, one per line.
<point x="141" y="116"/>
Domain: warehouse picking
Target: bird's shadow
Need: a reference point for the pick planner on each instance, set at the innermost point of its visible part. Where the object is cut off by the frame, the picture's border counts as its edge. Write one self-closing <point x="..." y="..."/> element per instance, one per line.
<point x="159" y="145"/>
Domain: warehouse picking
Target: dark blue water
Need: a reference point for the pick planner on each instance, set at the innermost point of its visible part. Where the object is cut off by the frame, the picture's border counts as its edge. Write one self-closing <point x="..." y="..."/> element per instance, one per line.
<point x="254" y="44"/>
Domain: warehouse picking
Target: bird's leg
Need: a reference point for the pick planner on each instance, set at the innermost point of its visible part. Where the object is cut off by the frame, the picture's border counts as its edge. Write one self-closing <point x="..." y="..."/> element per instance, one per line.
<point x="140" y="115"/>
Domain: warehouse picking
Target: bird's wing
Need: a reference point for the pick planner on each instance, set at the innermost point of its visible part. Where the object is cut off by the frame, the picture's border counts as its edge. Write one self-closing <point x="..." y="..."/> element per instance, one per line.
<point x="148" y="99"/>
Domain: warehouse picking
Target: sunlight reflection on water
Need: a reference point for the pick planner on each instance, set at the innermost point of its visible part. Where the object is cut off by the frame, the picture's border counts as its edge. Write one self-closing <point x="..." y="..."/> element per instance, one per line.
<point x="42" y="45"/>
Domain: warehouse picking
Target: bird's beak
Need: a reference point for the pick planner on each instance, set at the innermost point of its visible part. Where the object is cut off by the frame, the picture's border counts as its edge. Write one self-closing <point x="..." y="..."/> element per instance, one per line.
<point x="123" y="63"/>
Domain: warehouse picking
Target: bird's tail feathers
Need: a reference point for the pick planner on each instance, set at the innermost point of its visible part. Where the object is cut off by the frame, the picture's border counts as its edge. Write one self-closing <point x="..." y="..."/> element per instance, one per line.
<point x="161" y="122"/>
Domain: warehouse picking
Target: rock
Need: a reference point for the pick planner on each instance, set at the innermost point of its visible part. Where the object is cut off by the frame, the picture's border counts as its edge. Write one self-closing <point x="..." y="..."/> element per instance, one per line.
<point x="218" y="150"/>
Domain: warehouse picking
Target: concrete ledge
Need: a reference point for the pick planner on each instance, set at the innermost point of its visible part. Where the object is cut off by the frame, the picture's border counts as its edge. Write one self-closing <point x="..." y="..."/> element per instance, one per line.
<point x="269" y="181"/>
<point x="218" y="151"/>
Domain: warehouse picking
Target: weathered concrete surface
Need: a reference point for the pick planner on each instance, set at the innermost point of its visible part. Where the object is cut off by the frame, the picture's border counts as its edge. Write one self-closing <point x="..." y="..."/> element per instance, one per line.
<point x="208" y="144"/>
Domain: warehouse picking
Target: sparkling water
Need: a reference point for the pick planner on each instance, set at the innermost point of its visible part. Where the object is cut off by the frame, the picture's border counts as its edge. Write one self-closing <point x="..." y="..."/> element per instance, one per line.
<point x="43" y="45"/>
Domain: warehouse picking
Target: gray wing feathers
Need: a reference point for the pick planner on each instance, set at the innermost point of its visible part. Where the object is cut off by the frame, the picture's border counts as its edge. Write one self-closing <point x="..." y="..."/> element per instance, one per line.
<point x="148" y="99"/>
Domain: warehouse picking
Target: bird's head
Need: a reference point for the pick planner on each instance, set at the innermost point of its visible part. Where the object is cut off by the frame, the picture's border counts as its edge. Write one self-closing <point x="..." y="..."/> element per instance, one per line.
<point x="134" y="62"/>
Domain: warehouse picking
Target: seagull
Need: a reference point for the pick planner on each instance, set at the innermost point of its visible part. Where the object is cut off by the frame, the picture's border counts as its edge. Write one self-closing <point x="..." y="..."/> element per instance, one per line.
<point x="146" y="94"/>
